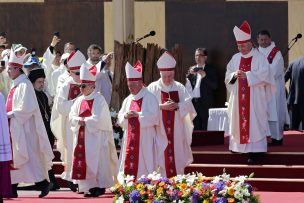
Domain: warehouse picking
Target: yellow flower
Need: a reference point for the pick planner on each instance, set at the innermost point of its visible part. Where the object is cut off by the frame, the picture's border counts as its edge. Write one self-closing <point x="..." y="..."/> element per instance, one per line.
<point x="161" y="184"/>
<point x="230" y="191"/>
<point x="140" y="186"/>
<point x="206" y="201"/>
<point x="116" y="186"/>
<point x="185" y="194"/>
<point x="159" y="191"/>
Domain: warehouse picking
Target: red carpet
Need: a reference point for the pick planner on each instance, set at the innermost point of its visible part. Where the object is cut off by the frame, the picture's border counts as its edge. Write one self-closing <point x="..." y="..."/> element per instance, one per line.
<point x="60" y="197"/>
<point x="281" y="197"/>
<point x="69" y="197"/>
<point x="293" y="142"/>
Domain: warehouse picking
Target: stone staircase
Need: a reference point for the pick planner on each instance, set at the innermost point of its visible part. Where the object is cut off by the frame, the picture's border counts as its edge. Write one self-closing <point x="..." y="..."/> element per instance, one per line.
<point x="279" y="170"/>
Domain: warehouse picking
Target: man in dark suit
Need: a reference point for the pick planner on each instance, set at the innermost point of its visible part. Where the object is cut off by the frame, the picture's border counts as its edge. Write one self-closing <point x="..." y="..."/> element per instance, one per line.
<point x="203" y="80"/>
<point x="295" y="100"/>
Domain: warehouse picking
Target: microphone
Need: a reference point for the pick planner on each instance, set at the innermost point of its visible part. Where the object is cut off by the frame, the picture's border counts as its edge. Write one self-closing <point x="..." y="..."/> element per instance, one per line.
<point x="299" y="36"/>
<point x="292" y="42"/>
<point x="152" y="33"/>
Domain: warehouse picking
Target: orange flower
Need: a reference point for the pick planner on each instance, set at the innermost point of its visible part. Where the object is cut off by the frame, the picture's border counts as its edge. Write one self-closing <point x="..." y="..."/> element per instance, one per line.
<point x="230" y="200"/>
<point x="183" y="186"/>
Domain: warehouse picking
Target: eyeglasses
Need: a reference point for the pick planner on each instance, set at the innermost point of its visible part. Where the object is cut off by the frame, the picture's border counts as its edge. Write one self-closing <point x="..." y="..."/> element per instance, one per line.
<point x="82" y="85"/>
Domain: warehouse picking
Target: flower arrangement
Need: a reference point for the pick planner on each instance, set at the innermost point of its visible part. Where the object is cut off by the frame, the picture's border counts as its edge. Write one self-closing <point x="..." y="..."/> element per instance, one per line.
<point x="188" y="188"/>
<point x="117" y="131"/>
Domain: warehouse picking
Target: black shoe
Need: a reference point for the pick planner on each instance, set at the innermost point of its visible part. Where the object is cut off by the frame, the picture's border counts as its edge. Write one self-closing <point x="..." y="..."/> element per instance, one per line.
<point x="250" y="161"/>
<point x="275" y="142"/>
<point x="251" y="158"/>
<point x="45" y="191"/>
<point x="15" y="195"/>
<point x="72" y="186"/>
<point x="14" y="191"/>
<point x="88" y="194"/>
<point x="53" y="180"/>
<point x="55" y="187"/>
<point x="96" y="191"/>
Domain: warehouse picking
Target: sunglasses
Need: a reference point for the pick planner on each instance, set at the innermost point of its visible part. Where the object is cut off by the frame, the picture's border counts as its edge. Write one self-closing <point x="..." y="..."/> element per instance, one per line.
<point x="82" y="85"/>
<point x="76" y="73"/>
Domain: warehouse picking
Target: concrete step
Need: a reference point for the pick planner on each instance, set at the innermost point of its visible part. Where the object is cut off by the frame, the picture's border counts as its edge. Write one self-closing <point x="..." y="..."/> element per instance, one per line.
<point x="260" y="171"/>
<point x="269" y="158"/>
<point x="278" y="184"/>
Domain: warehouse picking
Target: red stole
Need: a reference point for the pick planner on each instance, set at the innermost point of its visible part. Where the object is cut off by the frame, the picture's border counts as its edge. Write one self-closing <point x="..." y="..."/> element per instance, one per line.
<point x="74" y="91"/>
<point x="244" y="101"/>
<point x="133" y="141"/>
<point x="272" y="54"/>
<point x="168" y="121"/>
<point x="79" y="161"/>
<point x="9" y="107"/>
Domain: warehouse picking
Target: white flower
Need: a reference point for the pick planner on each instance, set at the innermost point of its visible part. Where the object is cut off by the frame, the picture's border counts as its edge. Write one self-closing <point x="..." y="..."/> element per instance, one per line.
<point x="179" y="178"/>
<point x="190" y="179"/>
<point x="226" y="177"/>
<point x="129" y="184"/>
<point x="216" y="179"/>
<point x="121" y="178"/>
<point x="238" y="195"/>
<point x="129" y="178"/>
<point x="241" y="179"/>
<point x="120" y="199"/>
<point x="200" y="176"/>
<point x="154" y="176"/>
<point x="150" y="187"/>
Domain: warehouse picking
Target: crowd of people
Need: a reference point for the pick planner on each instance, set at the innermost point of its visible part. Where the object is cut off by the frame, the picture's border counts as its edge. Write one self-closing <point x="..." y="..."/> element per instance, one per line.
<point x="66" y="98"/>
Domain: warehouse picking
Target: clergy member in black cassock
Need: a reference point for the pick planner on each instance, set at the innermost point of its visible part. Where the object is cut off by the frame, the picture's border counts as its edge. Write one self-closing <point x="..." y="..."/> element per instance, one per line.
<point x="203" y="80"/>
<point x="37" y="77"/>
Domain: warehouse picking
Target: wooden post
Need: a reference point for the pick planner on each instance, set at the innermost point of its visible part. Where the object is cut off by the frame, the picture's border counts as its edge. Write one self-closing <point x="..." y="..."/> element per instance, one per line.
<point x="148" y="56"/>
<point x="123" y="20"/>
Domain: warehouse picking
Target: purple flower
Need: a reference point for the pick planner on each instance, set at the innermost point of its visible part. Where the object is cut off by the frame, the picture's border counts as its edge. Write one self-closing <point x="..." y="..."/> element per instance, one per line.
<point x="174" y="195"/>
<point x="195" y="196"/>
<point x="134" y="196"/>
<point x="156" y="201"/>
<point x="221" y="200"/>
<point x="249" y="187"/>
<point x="205" y="185"/>
<point x="143" y="181"/>
<point x="220" y="185"/>
<point x="165" y="180"/>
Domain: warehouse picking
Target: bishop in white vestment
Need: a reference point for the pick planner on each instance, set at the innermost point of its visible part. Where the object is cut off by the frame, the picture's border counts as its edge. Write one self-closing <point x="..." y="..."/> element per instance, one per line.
<point x="138" y="117"/>
<point x="95" y="159"/>
<point x="176" y="115"/>
<point x="32" y="153"/>
<point x="251" y="85"/>
<point x="60" y="125"/>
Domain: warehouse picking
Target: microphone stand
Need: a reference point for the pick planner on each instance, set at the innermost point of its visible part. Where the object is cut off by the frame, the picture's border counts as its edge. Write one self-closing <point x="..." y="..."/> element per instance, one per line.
<point x="291" y="43"/>
<point x="140" y="38"/>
